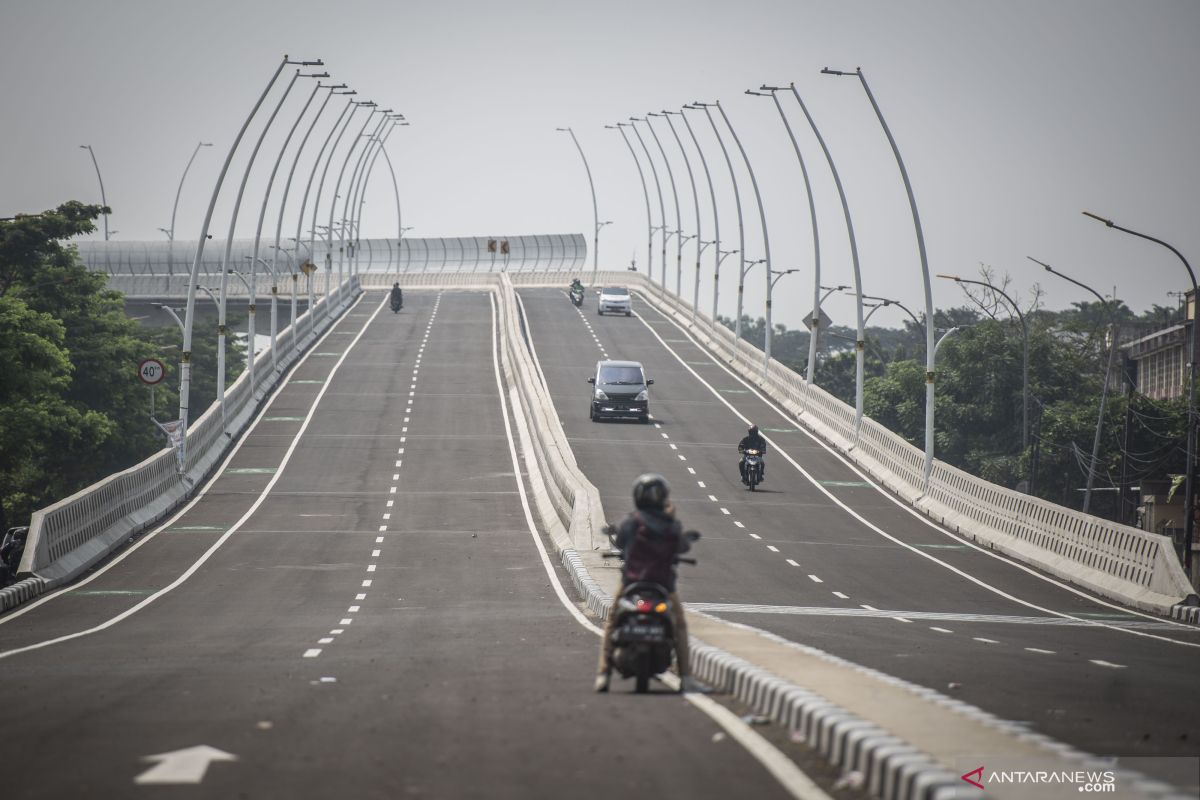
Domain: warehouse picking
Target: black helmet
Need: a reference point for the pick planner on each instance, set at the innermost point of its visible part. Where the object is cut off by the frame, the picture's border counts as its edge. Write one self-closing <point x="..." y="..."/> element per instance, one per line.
<point x="650" y="491"/>
<point x="753" y="430"/>
<point x="396" y="285"/>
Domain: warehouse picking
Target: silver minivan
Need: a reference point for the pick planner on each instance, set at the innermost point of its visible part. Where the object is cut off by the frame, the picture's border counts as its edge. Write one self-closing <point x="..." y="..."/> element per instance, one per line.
<point x="620" y="389"/>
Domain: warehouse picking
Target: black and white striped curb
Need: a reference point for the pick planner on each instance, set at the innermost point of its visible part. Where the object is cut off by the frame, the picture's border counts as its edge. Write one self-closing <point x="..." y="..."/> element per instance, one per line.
<point x="1186" y="613"/>
<point x="21" y="592"/>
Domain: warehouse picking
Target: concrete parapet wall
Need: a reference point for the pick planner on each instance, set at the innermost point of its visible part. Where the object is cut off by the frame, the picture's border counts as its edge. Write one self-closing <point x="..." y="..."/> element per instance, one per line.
<point x="71" y="535"/>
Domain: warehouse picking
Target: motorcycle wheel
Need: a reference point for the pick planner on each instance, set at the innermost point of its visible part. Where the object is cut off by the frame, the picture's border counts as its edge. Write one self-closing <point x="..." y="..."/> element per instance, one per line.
<point x="643" y="674"/>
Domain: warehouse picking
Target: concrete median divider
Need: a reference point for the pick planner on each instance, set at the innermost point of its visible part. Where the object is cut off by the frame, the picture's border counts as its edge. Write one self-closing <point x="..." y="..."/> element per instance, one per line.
<point x="70" y="536"/>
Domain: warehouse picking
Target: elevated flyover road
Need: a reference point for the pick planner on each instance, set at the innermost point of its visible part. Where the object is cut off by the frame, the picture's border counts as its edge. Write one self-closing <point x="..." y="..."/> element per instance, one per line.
<point x="821" y="557"/>
<point x="354" y="607"/>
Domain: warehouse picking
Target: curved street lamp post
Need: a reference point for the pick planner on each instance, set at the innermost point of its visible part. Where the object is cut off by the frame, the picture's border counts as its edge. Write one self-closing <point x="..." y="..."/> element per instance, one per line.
<point x="1024" y="357"/>
<point x="1189" y="492"/>
<point x="175" y="208"/>
<point x="816" y="236"/>
<point x="103" y="198"/>
<point x="674" y="194"/>
<point x="930" y="372"/>
<point x="620" y="128"/>
<point x="595" y="210"/>
<point x="741" y="251"/>
<point x="1114" y="335"/>
<point x="662" y="209"/>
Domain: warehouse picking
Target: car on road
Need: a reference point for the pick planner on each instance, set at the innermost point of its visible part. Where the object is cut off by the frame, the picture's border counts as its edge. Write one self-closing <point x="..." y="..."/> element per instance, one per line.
<point x="619" y="389"/>
<point x="614" y="300"/>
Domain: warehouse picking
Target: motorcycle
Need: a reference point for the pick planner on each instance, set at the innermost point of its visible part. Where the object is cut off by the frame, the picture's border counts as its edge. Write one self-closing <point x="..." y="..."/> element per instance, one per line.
<point x="397" y="304"/>
<point x="754" y="467"/>
<point x="644" y="635"/>
<point x="577" y="297"/>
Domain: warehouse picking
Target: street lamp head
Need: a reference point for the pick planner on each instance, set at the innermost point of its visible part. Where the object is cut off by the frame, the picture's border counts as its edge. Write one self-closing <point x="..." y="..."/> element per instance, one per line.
<point x="1107" y="222"/>
<point x="564" y="130"/>
<point x="766" y="88"/>
<point x="756" y="94"/>
<point x="950" y="277"/>
<point x="1043" y="263"/>
<point x="206" y="144"/>
<point x="313" y="74"/>
<point x="828" y="71"/>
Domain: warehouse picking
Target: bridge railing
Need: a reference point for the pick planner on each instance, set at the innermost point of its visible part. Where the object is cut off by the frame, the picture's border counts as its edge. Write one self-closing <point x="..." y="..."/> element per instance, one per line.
<point x="69" y="536"/>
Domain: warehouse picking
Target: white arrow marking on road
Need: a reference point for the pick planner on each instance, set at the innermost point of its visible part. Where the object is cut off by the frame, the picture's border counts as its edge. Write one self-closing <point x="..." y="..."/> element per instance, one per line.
<point x="182" y="766"/>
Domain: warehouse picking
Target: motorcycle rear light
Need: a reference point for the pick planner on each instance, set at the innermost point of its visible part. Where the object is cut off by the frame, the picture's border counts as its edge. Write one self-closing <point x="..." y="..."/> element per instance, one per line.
<point x="661" y="608"/>
<point x="644" y="606"/>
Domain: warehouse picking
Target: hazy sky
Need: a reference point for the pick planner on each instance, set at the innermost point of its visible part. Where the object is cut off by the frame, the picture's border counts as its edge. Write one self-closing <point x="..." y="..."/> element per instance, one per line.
<point x="1011" y="116"/>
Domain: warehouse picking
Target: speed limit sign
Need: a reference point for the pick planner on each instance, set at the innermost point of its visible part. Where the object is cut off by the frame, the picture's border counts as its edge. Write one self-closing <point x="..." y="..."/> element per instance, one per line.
<point x="151" y="371"/>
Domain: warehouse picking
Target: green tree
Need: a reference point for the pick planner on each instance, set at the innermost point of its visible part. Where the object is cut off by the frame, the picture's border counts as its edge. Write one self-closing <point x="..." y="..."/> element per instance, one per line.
<point x="73" y="410"/>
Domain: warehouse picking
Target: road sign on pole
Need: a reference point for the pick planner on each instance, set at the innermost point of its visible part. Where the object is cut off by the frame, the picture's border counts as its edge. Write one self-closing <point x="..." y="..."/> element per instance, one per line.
<point x="151" y="371"/>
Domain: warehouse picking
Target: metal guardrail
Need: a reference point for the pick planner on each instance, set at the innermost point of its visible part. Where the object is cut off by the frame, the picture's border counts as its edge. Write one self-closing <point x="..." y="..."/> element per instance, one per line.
<point x="69" y="536"/>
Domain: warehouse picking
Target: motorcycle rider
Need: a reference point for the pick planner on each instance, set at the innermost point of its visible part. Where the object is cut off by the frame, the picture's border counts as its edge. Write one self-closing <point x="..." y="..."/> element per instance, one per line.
<point x="650" y="539"/>
<point x="397" y="295"/>
<point x="753" y="440"/>
<point x="576" y="286"/>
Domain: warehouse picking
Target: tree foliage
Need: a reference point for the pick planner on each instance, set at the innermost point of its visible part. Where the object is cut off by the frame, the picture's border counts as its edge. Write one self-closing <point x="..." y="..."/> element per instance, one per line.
<point x="980" y="392"/>
<point x="71" y="408"/>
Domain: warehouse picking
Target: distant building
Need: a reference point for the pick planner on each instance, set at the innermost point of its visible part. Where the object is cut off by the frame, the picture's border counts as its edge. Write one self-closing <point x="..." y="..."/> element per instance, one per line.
<point x="1160" y="357"/>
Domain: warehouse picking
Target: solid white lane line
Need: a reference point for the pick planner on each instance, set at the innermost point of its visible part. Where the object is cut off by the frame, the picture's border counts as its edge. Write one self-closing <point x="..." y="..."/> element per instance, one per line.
<point x="940" y="630"/>
<point x="917" y="515"/>
<point x="312" y="653"/>
<point x="790" y="777"/>
<point x="1040" y="651"/>
<point x="207" y="554"/>
<point x="841" y="595"/>
<point x="1108" y="664"/>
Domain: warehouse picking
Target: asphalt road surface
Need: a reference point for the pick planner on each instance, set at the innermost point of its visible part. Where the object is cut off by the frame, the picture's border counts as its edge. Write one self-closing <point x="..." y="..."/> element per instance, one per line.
<point x="356" y="607"/>
<point x="820" y="556"/>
